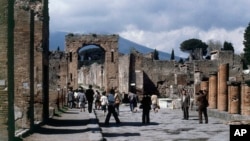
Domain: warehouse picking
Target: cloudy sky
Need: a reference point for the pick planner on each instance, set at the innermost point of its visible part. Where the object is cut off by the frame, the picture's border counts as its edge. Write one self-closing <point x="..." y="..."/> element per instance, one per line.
<point x="158" y="24"/>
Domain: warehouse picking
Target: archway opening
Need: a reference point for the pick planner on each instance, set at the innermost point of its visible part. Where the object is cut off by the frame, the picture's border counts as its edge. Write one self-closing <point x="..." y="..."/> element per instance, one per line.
<point x="89" y="54"/>
<point x="90" y="66"/>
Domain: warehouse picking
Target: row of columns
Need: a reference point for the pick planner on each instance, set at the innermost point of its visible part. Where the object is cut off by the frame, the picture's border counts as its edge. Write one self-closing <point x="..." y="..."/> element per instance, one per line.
<point x="233" y="97"/>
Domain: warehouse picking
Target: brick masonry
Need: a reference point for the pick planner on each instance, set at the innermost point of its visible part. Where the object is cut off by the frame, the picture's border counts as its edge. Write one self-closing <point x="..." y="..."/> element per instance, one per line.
<point x="3" y="70"/>
<point x="30" y="43"/>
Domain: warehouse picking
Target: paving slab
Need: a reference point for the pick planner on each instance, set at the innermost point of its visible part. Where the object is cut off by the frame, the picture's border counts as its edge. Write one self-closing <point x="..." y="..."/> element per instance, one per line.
<point x="72" y="125"/>
<point x="166" y="125"/>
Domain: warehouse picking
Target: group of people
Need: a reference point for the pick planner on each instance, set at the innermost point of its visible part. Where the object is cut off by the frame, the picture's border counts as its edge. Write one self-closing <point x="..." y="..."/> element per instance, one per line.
<point x="79" y="98"/>
<point x="200" y="101"/>
<point x="146" y="104"/>
<point x="110" y="102"/>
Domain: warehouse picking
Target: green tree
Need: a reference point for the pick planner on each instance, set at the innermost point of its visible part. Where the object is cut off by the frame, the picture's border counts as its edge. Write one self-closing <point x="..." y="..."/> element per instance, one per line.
<point x="228" y="46"/>
<point x="191" y="44"/>
<point x="172" y="55"/>
<point x="156" y="55"/>
<point x="181" y="61"/>
<point x="246" y="42"/>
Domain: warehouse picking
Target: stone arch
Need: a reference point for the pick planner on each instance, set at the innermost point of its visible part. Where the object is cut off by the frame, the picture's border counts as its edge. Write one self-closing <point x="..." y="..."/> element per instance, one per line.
<point x="109" y="43"/>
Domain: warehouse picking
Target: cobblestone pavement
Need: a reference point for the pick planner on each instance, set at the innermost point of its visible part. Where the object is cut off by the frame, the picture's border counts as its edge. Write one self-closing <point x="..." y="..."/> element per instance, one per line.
<point x="166" y="125"/>
<point x="73" y="125"/>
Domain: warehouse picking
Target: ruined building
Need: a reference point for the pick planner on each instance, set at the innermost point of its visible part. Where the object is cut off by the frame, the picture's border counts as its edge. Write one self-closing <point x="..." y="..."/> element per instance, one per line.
<point x="24" y="27"/>
<point x="221" y="75"/>
<point x="138" y="72"/>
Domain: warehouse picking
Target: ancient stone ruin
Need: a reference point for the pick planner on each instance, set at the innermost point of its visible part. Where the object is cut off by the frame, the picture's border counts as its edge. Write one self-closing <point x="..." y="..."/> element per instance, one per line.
<point x="34" y="82"/>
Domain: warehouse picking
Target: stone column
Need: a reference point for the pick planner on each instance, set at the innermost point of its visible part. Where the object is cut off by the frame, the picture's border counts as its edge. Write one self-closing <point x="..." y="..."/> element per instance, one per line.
<point x="245" y="98"/>
<point x="234" y="98"/>
<point x="197" y="81"/>
<point x="222" y="102"/>
<point x="7" y="128"/>
<point x="212" y="93"/>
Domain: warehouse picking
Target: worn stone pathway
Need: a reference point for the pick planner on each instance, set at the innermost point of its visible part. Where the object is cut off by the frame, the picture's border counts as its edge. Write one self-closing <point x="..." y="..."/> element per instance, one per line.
<point x="73" y="125"/>
<point x="166" y="125"/>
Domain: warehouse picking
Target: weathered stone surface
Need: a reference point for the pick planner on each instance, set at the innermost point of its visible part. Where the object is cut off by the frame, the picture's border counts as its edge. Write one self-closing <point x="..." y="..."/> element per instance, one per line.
<point x="109" y="43"/>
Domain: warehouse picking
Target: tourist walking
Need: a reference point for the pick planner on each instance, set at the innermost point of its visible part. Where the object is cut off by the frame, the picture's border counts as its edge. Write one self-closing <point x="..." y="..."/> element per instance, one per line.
<point x="202" y="105"/>
<point x="111" y="108"/>
<point x="82" y="99"/>
<point x="155" y="103"/>
<point x="118" y="100"/>
<point x="97" y="97"/>
<point x="90" y="97"/>
<point x="185" y="103"/>
<point x="104" y="102"/>
<point x="76" y="100"/>
<point x="70" y="98"/>
<point x="132" y="101"/>
<point x="146" y="107"/>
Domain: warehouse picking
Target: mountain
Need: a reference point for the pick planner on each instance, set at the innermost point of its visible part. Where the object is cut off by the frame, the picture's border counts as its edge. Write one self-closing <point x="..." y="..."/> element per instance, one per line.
<point x="57" y="39"/>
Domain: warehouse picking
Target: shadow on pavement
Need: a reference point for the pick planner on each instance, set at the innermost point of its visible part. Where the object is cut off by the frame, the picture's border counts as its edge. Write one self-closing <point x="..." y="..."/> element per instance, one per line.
<point x="68" y="122"/>
<point x="120" y="134"/>
<point x="112" y="124"/>
<point x="48" y="131"/>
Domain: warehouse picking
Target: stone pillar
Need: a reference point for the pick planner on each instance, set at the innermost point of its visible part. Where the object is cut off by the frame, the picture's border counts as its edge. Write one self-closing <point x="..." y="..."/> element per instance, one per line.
<point x="234" y="98"/>
<point x="222" y="102"/>
<point x="212" y="93"/>
<point x="197" y="81"/>
<point x="7" y="130"/>
<point x="245" y="98"/>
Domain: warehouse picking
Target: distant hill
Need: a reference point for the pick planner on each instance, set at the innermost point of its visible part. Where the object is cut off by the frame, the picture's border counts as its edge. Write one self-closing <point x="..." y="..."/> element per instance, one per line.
<point x="57" y="39"/>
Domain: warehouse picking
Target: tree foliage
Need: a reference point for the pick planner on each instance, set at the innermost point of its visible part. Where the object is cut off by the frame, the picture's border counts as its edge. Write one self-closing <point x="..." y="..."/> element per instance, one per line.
<point x="172" y="55"/>
<point x="246" y="42"/>
<point x="191" y="44"/>
<point x="156" y="55"/>
<point x="228" y="46"/>
<point x="181" y="61"/>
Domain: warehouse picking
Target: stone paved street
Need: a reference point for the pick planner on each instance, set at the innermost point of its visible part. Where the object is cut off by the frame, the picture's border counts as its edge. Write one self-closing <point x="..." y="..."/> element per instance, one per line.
<point x="71" y="126"/>
<point x="166" y="125"/>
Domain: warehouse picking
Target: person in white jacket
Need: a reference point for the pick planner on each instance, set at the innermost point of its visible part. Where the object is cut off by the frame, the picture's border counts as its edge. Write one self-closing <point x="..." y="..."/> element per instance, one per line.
<point x="104" y="102"/>
<point x="155" y="103"/>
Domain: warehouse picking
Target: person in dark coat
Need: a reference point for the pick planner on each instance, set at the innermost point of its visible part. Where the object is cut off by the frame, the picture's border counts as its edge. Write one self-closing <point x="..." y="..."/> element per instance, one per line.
<point x="146" y="107"/>
<point x="185" y="103"/>
<point x="90" y="97"/>
<point x="202" y="105"/>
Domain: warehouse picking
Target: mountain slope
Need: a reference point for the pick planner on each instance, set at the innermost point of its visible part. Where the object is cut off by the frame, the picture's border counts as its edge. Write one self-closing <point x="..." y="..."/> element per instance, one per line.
<point x="57" y="39"/>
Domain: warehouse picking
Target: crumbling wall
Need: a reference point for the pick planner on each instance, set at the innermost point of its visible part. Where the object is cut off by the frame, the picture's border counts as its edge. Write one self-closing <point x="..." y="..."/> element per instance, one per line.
<point x="31" y="48"/>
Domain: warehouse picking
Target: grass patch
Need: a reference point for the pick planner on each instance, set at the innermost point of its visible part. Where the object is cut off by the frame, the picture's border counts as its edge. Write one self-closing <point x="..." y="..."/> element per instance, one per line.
<point x="60" y="111"/>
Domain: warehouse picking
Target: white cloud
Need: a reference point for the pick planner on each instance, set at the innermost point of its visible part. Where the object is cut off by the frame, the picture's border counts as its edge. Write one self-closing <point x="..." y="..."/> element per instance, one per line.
<point x="168" y="40"/>
<point x="160" y="24"/>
